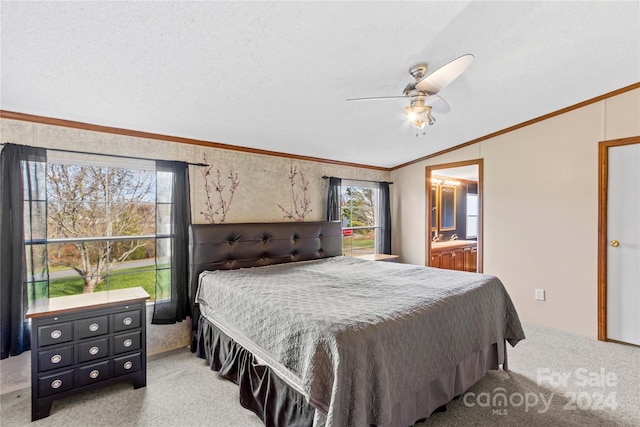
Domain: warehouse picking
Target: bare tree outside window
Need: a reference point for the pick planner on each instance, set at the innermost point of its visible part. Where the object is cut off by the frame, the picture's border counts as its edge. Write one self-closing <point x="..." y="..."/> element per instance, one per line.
<point x="98" y="217"/>
<point x="359" y="206"/>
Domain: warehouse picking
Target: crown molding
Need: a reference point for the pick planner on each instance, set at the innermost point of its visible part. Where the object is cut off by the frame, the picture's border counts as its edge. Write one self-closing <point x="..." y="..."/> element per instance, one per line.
<point x="140" y="134"/>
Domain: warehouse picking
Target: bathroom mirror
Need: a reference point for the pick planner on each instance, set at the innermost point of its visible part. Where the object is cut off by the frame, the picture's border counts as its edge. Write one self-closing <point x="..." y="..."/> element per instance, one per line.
<point x="447" y="207"/>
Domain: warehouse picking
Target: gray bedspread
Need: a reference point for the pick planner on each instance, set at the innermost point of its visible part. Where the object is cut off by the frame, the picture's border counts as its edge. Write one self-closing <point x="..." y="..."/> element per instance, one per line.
<point x="356" y="336"/>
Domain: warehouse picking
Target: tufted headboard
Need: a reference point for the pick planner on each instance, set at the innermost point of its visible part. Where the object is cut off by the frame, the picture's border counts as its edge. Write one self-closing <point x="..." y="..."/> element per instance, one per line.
<point x="231" y="246"/>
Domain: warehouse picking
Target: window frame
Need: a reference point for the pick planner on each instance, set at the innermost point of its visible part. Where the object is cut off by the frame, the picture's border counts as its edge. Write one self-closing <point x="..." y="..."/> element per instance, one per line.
<point x="377" y="228"/>
<point x="43" y="276"/>
<point x="473" y="217"/>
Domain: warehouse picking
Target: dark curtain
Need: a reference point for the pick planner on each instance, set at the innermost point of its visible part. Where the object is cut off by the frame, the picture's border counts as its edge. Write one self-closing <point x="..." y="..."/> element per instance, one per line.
<point x="384" y="244"/>
<point x="173" y="216"/>
<point x="22" y="215"/>
<point x="333" y="200"/>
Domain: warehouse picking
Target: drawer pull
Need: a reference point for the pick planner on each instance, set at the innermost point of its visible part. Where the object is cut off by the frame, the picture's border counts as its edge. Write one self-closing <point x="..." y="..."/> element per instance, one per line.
<point x="127" y="343"/>
<point x="56" y="334"/>
<point x="94" y="374"/>
<point x="127" y="321"/>
<point x="94" y="350"/>
<point x="56" y="358"/>
<point x="94" y="327"/>
<point x="128" y="365"/>
<point x="56" y="384"/>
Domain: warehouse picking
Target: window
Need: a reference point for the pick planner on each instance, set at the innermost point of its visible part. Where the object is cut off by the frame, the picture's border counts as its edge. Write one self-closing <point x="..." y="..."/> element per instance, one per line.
<point x="360" y="218"/>
<point x="472" y="215"/>
<point x="104" y="226"/>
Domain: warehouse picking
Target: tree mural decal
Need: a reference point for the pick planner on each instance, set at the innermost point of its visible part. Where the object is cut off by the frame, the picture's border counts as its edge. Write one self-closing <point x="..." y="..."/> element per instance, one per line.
<point x="215" y="190"/>
<point x="300" y="199"/>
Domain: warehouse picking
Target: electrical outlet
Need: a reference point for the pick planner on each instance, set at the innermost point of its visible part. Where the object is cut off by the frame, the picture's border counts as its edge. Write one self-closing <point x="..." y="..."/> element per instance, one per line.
<point x="539" y="295"/>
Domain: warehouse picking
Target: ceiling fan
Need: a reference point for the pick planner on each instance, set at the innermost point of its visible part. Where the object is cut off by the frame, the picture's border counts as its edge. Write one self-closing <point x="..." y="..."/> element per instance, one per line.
<point x="422" y="92"/>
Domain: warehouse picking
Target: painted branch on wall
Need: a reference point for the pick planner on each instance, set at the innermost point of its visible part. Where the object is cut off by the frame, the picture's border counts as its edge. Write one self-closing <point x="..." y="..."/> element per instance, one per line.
<point x="213" y="184"/>
<point x="299" y="197"/>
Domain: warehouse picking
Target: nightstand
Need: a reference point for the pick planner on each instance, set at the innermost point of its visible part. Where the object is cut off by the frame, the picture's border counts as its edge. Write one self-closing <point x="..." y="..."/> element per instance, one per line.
<point x="81" y="342"/>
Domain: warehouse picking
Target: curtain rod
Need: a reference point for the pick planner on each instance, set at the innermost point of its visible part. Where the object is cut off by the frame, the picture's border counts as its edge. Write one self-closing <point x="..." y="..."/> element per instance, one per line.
<point x="110" y="155"/>
<point x="361" y="180"/>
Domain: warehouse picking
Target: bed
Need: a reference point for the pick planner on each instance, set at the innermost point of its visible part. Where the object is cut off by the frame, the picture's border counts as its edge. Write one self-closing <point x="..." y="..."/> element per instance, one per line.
<point x="313" y="338"/>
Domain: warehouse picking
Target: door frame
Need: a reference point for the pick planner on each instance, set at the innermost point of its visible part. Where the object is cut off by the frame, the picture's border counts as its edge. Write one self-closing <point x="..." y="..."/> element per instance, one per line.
<point x="603" y="182"/>
<point x="428" y="207"/>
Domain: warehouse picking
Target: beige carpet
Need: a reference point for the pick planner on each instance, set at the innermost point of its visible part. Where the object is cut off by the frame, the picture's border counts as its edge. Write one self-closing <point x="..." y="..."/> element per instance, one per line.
<point x="556" y="379"/>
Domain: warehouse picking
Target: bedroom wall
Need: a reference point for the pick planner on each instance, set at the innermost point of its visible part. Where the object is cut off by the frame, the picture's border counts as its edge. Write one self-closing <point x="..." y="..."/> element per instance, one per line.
<point x="540" y="201"/>
<point x="264" y="183"/>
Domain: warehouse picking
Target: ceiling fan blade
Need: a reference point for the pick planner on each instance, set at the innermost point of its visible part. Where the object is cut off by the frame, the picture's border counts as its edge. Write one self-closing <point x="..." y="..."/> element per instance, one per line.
<point x="437" y="104"/>
<point x="374" y="98"/>
<point x="436" y="81"/>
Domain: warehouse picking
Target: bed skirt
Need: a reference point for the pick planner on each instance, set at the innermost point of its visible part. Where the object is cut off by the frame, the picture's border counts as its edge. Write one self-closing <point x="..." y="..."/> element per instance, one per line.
<point x="279" y="405"/>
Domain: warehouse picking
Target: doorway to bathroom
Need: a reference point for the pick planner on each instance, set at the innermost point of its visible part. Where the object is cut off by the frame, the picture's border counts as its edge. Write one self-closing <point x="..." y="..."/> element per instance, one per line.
<point x="453" y="194"/>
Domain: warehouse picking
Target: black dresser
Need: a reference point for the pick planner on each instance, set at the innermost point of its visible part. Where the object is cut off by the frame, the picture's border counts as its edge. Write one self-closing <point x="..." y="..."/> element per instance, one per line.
<point x="81" y="342"/>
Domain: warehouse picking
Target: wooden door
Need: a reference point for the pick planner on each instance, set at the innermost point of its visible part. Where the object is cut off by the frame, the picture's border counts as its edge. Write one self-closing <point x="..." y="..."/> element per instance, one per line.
<point x="619" y="241"/>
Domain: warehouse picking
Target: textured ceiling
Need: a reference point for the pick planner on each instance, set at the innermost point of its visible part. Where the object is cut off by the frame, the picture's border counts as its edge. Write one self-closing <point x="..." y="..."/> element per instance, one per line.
<point x="275" y="75"/>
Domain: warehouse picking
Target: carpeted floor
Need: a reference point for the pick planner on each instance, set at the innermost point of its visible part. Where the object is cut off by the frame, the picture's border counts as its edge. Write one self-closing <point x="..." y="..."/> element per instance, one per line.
<point x="556" y="379"/>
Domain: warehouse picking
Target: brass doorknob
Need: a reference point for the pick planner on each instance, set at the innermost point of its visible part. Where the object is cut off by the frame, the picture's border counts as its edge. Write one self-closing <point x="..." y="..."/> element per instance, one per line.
<point x="614" y="243"/>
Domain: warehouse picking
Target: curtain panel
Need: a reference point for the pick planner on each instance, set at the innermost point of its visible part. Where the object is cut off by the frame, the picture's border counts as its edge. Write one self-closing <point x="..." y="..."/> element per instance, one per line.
<point x="333" y="200"/>
<point x="384" y="243"/>
<point x="173" y="216"/>
<point x="23" y="274"/>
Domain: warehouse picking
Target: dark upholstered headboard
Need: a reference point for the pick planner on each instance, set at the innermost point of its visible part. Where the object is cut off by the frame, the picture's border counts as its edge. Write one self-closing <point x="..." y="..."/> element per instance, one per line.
<point x="231" y="246"/>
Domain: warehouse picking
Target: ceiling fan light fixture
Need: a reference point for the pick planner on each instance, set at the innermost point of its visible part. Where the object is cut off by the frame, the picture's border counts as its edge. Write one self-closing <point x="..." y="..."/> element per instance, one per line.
<point x="419" y="114"/>
<point x="423" y="91"/>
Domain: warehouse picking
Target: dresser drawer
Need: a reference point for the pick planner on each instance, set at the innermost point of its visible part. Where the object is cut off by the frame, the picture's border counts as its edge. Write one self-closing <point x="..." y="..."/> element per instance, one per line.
<point x="93" y="373"/>
<point x="91" y="350"/>
<point x="126" y="364"/>
<point x="55" y="334"/>
<point x="126" y="320"/>
<point x="92" y="327"/>
<point x="55" y="358"/>
<point x="126" y="342"/>
<point x="56" y="383"/>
